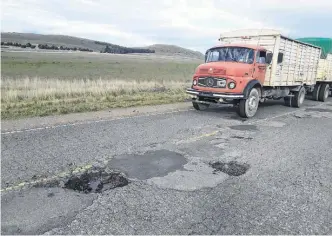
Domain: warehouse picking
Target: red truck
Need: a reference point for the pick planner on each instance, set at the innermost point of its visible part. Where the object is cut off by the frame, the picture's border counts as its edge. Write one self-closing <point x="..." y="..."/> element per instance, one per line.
<point x="252" y="66"/>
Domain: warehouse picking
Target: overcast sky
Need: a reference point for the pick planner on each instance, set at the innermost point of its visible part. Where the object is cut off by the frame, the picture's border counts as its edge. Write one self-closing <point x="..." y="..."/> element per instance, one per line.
<point x="194" y="24"/>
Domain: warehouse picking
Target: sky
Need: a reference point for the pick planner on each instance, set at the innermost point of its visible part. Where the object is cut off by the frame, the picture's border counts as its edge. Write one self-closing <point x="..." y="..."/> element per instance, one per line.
<point x="194" y="24"/>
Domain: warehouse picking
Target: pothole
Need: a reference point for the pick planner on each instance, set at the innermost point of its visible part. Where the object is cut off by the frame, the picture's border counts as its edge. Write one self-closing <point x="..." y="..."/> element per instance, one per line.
<point x="241" y="137"/>
<point x="319" y="110"/>
<point x="244" y="127"/>
<point x="96" y="181"/>
<point x="301" y="116"/>
<point x="232" y="168"/>
<point x="151" y="164"/>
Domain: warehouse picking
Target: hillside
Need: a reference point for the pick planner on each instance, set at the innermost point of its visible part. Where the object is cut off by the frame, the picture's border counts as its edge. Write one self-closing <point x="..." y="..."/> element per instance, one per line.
<point x="175" y="50"/>
<point x="70" y="41"/>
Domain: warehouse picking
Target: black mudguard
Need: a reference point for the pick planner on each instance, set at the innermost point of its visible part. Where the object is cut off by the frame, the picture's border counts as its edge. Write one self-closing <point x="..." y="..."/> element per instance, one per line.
<point x="249" y="86"/>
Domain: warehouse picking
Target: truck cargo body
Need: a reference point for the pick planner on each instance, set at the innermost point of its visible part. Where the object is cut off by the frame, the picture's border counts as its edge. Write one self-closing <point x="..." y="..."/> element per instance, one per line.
<point x="325" y="69"/>
<point x="253" y="65"/>
<point x="298" y="61"/>
<point x="323" y="84"/>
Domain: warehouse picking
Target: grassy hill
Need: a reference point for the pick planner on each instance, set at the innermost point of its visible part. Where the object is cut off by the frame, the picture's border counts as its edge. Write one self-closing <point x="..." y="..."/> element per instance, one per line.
<point x="175" y="50"/>
<point x="70" y="41"/>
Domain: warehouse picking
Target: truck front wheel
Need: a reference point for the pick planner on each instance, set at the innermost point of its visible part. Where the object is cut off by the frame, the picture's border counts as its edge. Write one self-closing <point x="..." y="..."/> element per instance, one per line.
<point x="200" y="106"/>
<point x="323" y="92"/>
<point x="248" y="107"/>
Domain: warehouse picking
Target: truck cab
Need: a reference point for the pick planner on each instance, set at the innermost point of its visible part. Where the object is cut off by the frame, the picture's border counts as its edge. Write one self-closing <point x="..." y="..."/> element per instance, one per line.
<point x="231" y="74"/>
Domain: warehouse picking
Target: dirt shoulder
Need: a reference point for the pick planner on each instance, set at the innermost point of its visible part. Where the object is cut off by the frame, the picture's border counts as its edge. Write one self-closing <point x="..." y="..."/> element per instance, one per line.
<point x="47" y="121"/>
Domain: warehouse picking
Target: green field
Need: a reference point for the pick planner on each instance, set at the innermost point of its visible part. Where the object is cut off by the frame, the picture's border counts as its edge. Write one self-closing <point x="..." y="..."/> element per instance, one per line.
<point x="39" y="84"/>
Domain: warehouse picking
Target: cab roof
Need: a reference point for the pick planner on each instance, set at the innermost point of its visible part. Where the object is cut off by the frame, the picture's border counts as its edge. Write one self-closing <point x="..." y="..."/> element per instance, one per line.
<point x="251" y="46"/>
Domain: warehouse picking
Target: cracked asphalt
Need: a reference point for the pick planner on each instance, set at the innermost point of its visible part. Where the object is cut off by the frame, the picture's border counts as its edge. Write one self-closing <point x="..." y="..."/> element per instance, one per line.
<point x="173" y="188"/>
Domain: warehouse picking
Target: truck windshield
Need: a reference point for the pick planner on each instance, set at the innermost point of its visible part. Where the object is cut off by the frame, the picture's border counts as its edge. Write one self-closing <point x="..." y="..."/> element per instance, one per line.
<point x="236" y="54"/>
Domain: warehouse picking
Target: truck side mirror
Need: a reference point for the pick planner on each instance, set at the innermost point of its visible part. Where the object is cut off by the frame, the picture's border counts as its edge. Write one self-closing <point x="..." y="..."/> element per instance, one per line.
<point x="269" y="56"/>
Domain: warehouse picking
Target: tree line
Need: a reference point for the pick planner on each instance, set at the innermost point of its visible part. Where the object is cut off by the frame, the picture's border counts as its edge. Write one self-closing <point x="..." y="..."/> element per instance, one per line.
<point x="116" y="49"/>
<point x="109" y="48"/>
<point x="45" y="46"/>
<point x="53" y="47"/>
<point x="27" y="45"/>
<point x="125" y="50"/>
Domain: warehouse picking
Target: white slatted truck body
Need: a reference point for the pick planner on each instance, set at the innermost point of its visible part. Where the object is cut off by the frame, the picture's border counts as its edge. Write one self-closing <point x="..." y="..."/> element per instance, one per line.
<point x="254" y="65"/>
<point x="324" y="79"/>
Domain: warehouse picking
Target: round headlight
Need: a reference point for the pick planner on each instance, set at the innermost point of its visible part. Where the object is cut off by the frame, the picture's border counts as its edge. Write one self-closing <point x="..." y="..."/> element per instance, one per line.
<point x="194" y="82"/>
<point x="231" y="85"/>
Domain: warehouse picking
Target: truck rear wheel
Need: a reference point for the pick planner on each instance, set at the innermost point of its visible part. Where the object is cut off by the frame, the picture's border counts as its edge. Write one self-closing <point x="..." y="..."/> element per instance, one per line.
<point x="248" y="107"/>
<point x="200" y="106"/>
<point x="298" y="98"/>
<point x="323" y="92"/>
<point x="288" y="101"/>
<point x="316" y="92"/>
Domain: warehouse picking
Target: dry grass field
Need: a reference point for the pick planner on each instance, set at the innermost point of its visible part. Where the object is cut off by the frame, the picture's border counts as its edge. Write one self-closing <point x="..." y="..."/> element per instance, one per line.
<point x="45" y="83"/>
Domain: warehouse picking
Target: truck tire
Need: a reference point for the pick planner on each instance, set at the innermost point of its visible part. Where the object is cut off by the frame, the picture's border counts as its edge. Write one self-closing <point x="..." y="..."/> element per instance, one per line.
<point x="316" y="92"/>
<point x="288" y="101"/>
<point x="248" y="107"/>
<point x="298" y="98"/>
<point x="200" y="106"/>
<point x="323" y="92"/>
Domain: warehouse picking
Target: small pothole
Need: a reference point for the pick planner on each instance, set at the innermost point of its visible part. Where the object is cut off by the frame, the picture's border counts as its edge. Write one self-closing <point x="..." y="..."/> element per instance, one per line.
<point x="302" y="116"/>
<point x="232" y="168"/>
<point x="241" y="137"/>
<point x="319" y="110"/>
<point x="244" y="127"/>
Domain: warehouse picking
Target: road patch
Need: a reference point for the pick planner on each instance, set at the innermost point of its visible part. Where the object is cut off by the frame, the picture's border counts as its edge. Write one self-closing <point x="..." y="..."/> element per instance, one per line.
<point x="149" y="164"/>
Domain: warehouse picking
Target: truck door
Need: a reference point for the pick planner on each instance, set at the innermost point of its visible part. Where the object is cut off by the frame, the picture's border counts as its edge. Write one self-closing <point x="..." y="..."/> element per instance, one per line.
<point x="260" y="66"/>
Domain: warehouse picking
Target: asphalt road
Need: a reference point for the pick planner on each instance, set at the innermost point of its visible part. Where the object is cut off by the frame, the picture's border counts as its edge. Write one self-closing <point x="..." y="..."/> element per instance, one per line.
<point x="274" y="173"/>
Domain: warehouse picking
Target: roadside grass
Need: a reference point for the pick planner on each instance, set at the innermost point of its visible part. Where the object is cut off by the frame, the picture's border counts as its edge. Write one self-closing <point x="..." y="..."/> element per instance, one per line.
<point x="40" y="97"/>
<point x="28" y="90"/>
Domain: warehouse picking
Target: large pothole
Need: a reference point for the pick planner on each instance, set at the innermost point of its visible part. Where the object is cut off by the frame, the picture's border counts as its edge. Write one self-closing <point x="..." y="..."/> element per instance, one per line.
<point x="96" y="181"/>
<point x="232" y="168"/>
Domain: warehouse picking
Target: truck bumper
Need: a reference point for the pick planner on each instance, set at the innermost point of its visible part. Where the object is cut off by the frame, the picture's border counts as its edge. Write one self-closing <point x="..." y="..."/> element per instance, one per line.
<point x="214" y="95"/>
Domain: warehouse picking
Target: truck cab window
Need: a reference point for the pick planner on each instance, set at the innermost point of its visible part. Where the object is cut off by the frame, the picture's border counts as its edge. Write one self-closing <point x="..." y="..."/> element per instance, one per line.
<point x="231" y="54"/>
<point x="213" y="56"/>
<point x="261" y="57"/>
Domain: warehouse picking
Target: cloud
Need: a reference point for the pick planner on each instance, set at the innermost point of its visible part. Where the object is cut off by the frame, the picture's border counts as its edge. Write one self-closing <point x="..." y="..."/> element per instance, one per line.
<point x="189" y="23"/>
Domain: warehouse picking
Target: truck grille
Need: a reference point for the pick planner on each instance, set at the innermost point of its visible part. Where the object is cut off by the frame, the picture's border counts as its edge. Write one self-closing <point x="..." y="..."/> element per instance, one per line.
<point x="212" y="82"/>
